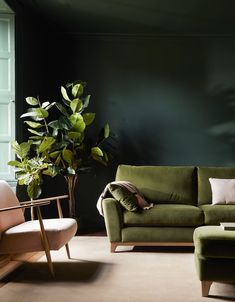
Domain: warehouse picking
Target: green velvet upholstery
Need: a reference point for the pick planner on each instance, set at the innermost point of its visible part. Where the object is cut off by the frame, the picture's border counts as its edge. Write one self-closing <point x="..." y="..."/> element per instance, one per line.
<point x="214" y="253"/>
<point x="204" y="188"/>
<point x="126" y="198"/>
<point x="214" y="242"/>
<point x="157" y="234"/>
<point x="176" y="192"/>
<point x="215" y="269"/>
<point x="113" y="218"/>
<point x="165" y="215"/>
<point x="162" y="184"/>
<point x="214" y="214"/>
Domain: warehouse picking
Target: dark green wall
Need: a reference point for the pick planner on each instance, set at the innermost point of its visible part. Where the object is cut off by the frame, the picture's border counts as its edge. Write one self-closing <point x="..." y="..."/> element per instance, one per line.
<point x="167" y="98"/>
<point x="163" y="95"/>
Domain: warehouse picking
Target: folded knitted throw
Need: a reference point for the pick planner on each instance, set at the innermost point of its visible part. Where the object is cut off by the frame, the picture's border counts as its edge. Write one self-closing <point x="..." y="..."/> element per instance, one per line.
<point x="108" y="192"/>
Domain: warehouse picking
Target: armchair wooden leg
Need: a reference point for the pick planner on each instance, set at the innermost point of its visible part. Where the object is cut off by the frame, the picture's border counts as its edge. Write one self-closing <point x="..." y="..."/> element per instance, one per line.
<point x="205" y="288"/>
<point x="49" y="262"/>
<point x="67" y="250"/>
<point x="45" y="242"/>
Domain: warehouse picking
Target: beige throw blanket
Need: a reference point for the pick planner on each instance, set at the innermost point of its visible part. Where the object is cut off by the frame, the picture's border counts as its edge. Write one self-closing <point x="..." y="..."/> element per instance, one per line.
<point x="142" y="203"/>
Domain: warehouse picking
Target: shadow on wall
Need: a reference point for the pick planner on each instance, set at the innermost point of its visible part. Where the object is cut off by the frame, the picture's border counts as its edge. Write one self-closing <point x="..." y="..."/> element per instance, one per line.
<point x="138" y="148"/>
<point x="224" y="130"/>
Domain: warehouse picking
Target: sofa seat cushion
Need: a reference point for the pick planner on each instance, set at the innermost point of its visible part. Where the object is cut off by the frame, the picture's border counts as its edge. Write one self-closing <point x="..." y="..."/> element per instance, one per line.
<point x="214" y="242"/>
<point x="214" y="214"/>
<point x="162" y="184"/>
<point x="165" y="215"/>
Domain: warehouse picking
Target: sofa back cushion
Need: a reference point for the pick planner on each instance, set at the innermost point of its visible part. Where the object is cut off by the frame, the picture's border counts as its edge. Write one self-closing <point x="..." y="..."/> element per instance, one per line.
<point x="204" y="187"/>
<point x="162" y="184"/>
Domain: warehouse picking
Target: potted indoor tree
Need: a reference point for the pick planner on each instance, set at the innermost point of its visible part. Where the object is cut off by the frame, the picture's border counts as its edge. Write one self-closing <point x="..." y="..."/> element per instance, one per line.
<point x="59" y="145"/>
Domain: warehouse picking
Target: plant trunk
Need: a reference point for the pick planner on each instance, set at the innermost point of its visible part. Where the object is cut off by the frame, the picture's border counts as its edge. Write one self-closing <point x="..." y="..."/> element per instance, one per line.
<point x="71" y="182"/>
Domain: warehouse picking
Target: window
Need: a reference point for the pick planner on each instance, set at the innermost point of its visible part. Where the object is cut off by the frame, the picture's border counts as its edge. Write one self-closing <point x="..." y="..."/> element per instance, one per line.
<point x="7" y="94"/>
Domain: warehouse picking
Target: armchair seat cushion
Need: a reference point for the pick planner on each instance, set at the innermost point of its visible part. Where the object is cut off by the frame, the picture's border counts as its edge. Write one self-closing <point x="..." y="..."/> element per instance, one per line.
<point x="26" y="237"/>
<point x="165" y="215"/>
<point x="214" y="214"/>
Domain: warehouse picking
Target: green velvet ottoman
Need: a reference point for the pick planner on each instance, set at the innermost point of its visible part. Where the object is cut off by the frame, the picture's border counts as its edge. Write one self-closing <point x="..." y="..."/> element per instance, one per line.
<point x="214" y="255"/>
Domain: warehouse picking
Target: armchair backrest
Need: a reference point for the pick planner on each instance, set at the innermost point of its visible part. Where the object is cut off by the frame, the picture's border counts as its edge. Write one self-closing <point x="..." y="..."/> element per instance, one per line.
<point x="8" y="199"/>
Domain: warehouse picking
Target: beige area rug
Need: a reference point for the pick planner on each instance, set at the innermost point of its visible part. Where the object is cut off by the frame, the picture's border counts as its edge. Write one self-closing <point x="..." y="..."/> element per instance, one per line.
<point x="153" y="274"/>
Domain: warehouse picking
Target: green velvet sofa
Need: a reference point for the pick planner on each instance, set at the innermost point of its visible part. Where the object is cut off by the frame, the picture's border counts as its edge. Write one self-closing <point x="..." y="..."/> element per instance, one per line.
<point x="182" y="202"/>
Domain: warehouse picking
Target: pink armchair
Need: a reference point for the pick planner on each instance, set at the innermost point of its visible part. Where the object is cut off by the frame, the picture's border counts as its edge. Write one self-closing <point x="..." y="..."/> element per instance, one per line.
<point x="20" y="236"/>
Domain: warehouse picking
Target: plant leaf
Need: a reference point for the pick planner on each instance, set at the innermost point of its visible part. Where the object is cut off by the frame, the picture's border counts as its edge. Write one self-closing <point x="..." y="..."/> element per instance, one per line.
<point x="22" y="149"/>
<point x="106" y="131"/>
<point x="35" y="132"/>
<point x="106" y="158"/>
<point x="63" y="123"/>
<point x="41" y="113"/>
<point x="76" y="105"/>
<point x="99" y="159"/>
<point x="46" y="144"/>
<point x="75" y="136"/>
<point x="64" y="94"/>
<point x="45" y="104"/>
<point x="71" y="171"/>
<point x="34" y="190"/>
<point x="96" y="151"/>
<point x="51" y="171"/>
<point x="31" y="113"/>
<point x="54" y="124"/>
<point x="58" y="160"/>
<point x="62" y="109"/>
<point x="50" y="105"/>
<point x="88" y="118"/>
<point x="32" y="101"/>
<point x="68" y="156"/>
<point x="14" y="163"/>
<point x="36" y="138"/>
<point x="77" y="122"/>
<point x="77" y="90"/>
<point x="86" y="101"/>
<point x="33" y="124"/>
<point x="54" y="154"/>
<point x="24" y="178"/>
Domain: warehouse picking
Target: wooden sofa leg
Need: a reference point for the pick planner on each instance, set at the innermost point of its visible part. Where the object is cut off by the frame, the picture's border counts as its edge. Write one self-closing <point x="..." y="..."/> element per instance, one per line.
<point x="205" y="288"/>
<point x="113" y="247"/>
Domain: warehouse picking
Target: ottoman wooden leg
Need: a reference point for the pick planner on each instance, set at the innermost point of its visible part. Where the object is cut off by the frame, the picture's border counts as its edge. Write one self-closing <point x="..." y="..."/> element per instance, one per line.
<point x="205" y="288"/>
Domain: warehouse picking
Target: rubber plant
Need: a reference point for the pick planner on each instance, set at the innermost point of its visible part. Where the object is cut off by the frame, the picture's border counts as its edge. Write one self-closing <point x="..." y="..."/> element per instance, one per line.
<point x="60" y="145"/>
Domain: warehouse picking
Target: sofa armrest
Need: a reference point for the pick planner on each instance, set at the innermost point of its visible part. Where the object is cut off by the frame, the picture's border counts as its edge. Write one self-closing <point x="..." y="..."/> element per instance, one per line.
<point x="113" y="217"/>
